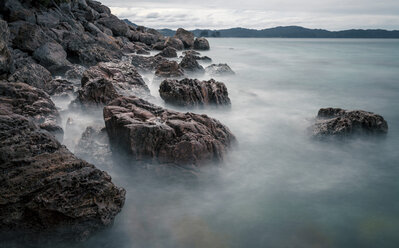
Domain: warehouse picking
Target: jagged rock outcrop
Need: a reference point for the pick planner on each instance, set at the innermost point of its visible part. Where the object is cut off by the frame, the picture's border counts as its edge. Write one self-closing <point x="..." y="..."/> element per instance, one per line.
<point x="168" y="52"/>
<point x="340" y="122"/>
<point x="190" y="64"/>
<point x="174" y="42"/>
<point x="45" y="190"/>
<point x="33" y="103"/>
<point x="60" y="87"/>
<point x="219" y="69"/>
<point x="192" y="92"/>
<point x="32" y="74"/>
<point x="201" y="44"/>
<point x="186" y="37"/>
<point x="52" y="56"/>
<point x="197" y="55"/>
<point x="150" y="133"/>
<point x="169" y="69"/>
<point x="106" y="81"/>
<point x="6" y="60"/>
<point x="147" y="64"/>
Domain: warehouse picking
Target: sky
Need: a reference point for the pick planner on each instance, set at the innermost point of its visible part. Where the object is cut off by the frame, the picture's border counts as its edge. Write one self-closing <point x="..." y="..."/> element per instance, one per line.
<point x="259" y="14"/>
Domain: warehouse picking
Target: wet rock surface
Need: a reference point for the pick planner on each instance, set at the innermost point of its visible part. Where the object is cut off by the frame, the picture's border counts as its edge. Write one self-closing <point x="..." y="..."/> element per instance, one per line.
<point x="169" y="69"/>
<point x="201" y="44"/>
<point x="147" y="64"/>
<point x="147" y="132"/>
<point x="168" y="52"/>
<point x="192" y="92"/>
<point x="6" y="60"/>
<point x="44" y="188"/>
<point x="340" y="122"/>
<point x="219" y="69"/>
<point x="190" y="64"/>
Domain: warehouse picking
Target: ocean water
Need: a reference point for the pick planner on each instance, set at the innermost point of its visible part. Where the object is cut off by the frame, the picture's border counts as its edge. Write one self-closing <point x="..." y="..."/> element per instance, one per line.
<point x="277" y="187"/>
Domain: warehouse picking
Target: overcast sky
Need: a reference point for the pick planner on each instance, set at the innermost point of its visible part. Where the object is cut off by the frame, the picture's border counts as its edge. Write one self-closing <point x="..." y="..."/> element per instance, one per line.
<point x="259" y="14"/>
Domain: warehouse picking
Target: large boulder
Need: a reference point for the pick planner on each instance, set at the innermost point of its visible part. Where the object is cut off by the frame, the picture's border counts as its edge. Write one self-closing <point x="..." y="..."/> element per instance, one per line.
<point x="201" y="44"/>
<point x="147" y="64"/>
<point x="190" y="64"/>
<point x="32" y="103"/>
<point x="30" y="37"/>
<point x="45" y="191"/>
<point x="197" y="55"/>
<point x="219" y="69"/>
<point x="118" y="27"/>
<point x="168" y="52"/>
<point x="106" y="81"/>
<point x="192" y="92"/>
<point x="169" y="69"/>
<point x="174" y="42"/>
<point x="52" y="56"/>
<point x="340" y="122"/>
<point x="32" y="74"/>
<point x="149" y="133"/>
<point x="6" y="61"/>
<point x="186" y="37"/>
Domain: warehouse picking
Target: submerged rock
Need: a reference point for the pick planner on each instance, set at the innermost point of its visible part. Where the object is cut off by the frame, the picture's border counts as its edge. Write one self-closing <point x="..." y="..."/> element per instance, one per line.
<point x="106" y="81"/>
<point x="33" y="103"/>
<point x="340" y="122"/>
<point x="186" y="37"/>
<point x="201" y="44"/>
<point x="192" y="92"/>
<point x="219" y="69"/>
<point x="169" y="69"/>
<point x="45" y="190"/>
<point x="150" y="133"/>
<point x="190" y="64"/>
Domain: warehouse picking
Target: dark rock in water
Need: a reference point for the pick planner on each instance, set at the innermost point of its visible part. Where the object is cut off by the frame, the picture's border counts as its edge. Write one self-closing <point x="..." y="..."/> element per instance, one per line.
<point x="106" y="81"/>
<point x="94" y="147"/>
<point x="32" y="74"/>
<point x="159" y="46"/>
<point x="60" y="87"/>
<point x="45" y="190"/>
<point x="201" y="44"/>
<point x="339" y="122"/>
<point x="118" y="27"/>
<point x="6" y="60"/>
<point x="219" y="69"/>
<point x="75" y="73"/>
<point x="175" y="43"/>
<point x="192" y="92"/>
<point x="147" y="64"/>
<point x="168" y="52"/>
<point x="30" y="37"/>
<point x="150" y="133"/>
<point x="190" y="64"/>
<point x="52" y="56"/>
<point x="192" y="52"/>
<point x="33" y="103"/>
<point x="197" y="55"/>
<point x="186" y="37"/>
<point x="169" y="69"/>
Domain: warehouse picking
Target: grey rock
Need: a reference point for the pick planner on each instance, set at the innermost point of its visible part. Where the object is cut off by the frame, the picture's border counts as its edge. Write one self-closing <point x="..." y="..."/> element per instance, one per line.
<point x="190" y="64"/>
<point x="219" y="69"/>
<point x="168" y="52"/>
<point x="201" y="44"/>
<point x="186" y="37"/>
<point x="52" y="56"/>
<point x="169" y="69"/>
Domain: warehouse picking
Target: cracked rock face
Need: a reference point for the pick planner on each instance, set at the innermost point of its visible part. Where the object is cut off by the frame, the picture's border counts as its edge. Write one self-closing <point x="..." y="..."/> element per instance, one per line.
<point x="194" y="93"/>
<point x="45" y="189"/>
<point x="149" y="133"/>
<point x="340" y="122"/>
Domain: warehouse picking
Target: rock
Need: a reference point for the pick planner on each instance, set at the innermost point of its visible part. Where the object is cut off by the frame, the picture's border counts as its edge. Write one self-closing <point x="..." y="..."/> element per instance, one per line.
<point x="168" y="52"/>
<point x="219" y="69"/>
<point x="33" y="103"/>
<point x="192" y="52"/>
<point x="6" y="60"/>
<point x="175" y="43"/>
<point x="118" y="27"/>
<point x="201" y="44"/>
<point x="159" y="46"/>
<point x="339" y="122"/>
<point x="75" y="73"/>
<point x="52" y="56"/>
<point x="30" y="37"/>
<point x="106" y="81"/>
<point x="148" y="39"/>
<point x="192" y="92"/>
<point x="60" y="87"/>
<point x="190" y="64"/>
<point x="152" y="134"/>
<point x="34" y="75"/>
<point x="186" y="37"/>
<point x="45" y="190"/>
<point x="147" y="64"/>
<point x="169" y="69"/>
<point x="197" y="56"/>
<point x="97" y="6"/>
<point x="94" y="147"/>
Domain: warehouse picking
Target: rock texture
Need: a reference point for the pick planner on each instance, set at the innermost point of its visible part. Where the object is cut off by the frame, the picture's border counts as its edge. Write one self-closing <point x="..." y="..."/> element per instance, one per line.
<point x="186" y="37"/>
<point x="150" y="133"/>
<point x="190" y="64"/>
<point x="6" y="61"/>
<point x="219" y="69"/>
<point x="45" y="189"/>
<point x="339" y="122"/>
<point x="174" y="42"/>
<point x="201" y="44"/>
<point x="192" y="92"/>
<point x="52" y="56"/>
<point x="147" y="64"/>
<point x="169" y="69"/>
<point x="33" y="103"/>
<point x="168" y="52"/>
<point x="106" y="81"/>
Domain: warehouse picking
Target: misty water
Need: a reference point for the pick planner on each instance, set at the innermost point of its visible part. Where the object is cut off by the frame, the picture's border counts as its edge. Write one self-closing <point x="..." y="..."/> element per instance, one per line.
<point x="278" y="187"/>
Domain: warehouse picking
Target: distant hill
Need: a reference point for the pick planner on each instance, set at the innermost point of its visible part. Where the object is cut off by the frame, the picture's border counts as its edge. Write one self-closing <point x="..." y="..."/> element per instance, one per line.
<point x="290" y="32"/>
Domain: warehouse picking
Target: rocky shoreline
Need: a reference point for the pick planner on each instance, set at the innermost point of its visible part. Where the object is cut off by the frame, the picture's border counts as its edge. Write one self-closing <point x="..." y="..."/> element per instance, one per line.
<point x="78" y="48"/>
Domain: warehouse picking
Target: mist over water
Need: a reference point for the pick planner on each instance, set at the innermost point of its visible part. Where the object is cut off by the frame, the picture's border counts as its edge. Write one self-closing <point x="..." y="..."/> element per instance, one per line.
<point x="277" y="187"/>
